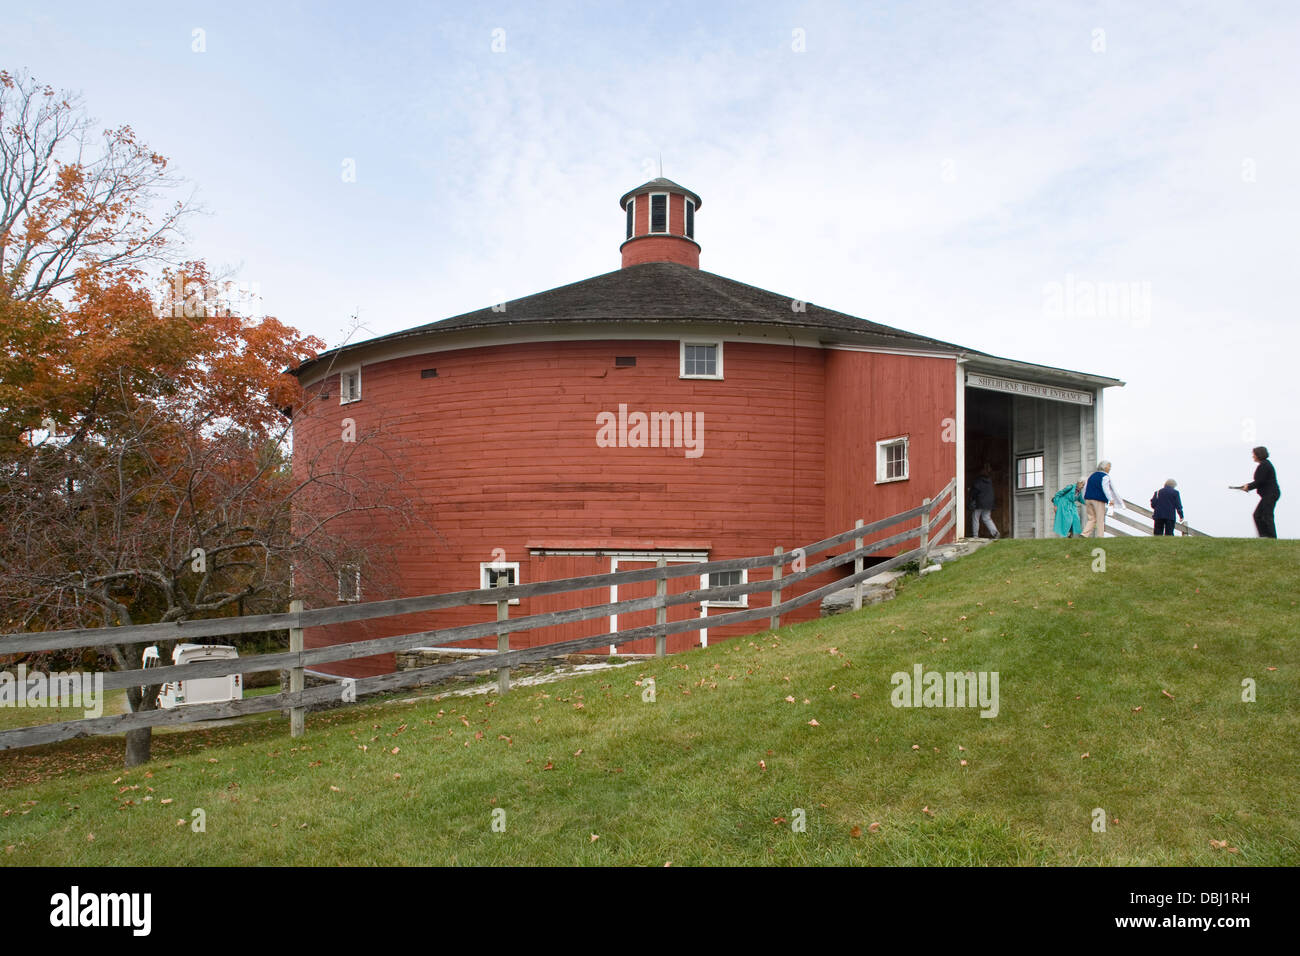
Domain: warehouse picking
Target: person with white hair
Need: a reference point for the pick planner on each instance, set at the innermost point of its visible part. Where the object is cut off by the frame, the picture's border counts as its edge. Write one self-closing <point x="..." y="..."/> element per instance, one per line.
<point x="1166" y="503"/>
<point x="1099" y="492"/>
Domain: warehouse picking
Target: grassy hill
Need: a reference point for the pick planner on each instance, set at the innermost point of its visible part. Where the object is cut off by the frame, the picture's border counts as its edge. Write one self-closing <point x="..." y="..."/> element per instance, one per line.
<point x="1118" y="689"/>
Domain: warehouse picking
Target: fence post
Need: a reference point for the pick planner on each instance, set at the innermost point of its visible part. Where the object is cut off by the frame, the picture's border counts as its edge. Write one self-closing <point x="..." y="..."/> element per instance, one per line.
<point x="857" y="569"/>
<point x="925" y="531"/>
<point x="775" y="621"/>
<point x="503" y="639"/>
<point x="661" y="612"/>
<point x="297" y="715"/>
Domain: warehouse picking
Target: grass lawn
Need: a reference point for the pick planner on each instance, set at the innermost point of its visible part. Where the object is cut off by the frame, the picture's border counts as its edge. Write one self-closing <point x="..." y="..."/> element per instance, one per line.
<point x="1120" y="690"/>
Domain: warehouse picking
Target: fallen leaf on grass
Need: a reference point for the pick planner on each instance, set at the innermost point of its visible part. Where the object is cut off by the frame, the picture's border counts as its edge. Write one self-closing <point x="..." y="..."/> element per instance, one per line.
<point x="1137" y="710"/>
<point x="778" y="820"/>
<point x="578" y="752"/>
<point x="1084" y="756"/>
<point x="594" y="837"/>
<point x="813" y="723"/>
<point x="927" y="810"/>
<point x="963" y="763"/>
<point x="333" y="789"/>
<point x="549" y="766"/>
<point x="855" y="832"/>
<point x="1167" y="694"/>
<point x="916" y="746"/>
<point x="762" y="765"/>
<point x="789" y="700"/>
<point x="874" y="828"/>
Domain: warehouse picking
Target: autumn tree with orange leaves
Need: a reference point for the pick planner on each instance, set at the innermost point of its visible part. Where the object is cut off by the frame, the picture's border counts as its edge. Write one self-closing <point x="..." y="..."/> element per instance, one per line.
<point x="144" y="442"/>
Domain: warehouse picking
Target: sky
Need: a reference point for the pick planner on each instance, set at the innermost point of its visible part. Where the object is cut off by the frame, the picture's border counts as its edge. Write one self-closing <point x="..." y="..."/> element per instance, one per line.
<point x="966" y="171"/>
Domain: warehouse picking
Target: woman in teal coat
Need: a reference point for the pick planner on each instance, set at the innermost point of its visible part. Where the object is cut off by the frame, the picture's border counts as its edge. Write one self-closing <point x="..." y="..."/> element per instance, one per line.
<point x="1067" y="502"/>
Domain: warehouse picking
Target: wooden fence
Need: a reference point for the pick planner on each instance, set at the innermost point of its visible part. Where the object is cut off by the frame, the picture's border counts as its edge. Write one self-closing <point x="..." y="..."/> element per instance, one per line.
<point x="1143" y="527"/>
<point x="928" y="522"/>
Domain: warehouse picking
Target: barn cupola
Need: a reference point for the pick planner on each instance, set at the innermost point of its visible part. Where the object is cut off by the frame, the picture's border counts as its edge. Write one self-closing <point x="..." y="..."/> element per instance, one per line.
<point x="660" y="224"/>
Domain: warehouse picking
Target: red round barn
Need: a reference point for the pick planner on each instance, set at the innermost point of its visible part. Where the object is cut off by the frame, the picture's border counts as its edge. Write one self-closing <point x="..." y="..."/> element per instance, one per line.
<point x="655" y="411"/>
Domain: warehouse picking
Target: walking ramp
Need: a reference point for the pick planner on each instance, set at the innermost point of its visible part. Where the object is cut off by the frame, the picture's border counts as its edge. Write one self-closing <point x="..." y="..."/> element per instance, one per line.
<point x="883" y="586"/>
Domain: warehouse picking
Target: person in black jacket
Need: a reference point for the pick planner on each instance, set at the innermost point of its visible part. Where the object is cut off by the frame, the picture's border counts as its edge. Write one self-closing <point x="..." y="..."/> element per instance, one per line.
<point x="1266" y="484"/>
<point x="1166" y="503"/>
<point x="982" y="503"/>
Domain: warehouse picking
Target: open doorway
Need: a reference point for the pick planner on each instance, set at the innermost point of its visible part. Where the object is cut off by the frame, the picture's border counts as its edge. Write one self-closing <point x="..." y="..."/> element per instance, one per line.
<point x="988" y="445"/>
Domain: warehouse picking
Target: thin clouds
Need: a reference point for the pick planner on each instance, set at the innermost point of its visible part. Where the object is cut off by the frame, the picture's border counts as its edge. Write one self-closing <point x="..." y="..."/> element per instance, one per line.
<point x="930" y="166"/>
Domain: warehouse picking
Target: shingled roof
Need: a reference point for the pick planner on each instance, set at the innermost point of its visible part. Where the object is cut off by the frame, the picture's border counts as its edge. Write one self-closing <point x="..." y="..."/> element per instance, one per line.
<point x="666" y="292"/>
<point x="659" y="185"/>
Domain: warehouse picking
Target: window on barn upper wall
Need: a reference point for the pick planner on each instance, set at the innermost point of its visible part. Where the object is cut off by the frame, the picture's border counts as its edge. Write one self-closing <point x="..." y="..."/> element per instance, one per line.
<point x="725" y="579"/>
<point x="690" y="219"/>
<point x="498" y="574"/>
<point x="701" y="360"/>
<point x="349" y="583"/>
<point x="631" y="216"/>
<point x="891" y="460"/>
<point x="659" y="212"/>
<point x="1029" y="472"/>
<point x="350" y="385"/>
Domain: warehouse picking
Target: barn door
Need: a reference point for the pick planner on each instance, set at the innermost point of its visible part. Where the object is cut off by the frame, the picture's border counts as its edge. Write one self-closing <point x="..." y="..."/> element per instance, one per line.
<point x="988" y="443"/>
<point x="682" y="640"/>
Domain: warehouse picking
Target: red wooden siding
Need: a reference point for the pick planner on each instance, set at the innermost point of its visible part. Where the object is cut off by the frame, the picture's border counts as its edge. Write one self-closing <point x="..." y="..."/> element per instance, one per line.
<point x="871" y="396"/>
<point x="500" y="448"/>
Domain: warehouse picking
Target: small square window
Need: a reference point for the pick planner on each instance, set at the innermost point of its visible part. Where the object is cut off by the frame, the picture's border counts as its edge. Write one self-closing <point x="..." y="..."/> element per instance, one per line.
<point x="725" y="579"/>
<point x="659" y="212"/>
<point x="701" y="360"/>
<point x="1029" y="472"/>
<point x="350" y="385"/>
<point x="891" y="460"/>
<point x="498" y="574"/>
<point x="349" y="583"/>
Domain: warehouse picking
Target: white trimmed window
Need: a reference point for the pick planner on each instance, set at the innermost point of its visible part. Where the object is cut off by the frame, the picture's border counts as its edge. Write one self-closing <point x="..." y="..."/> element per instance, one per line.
<point x="725" y="579"/>
<point x="1029" y="472"/>
<point x="350" y="583"/>
<point x="891" y="460"/>
<point x="498" y="574"/>
<point x="701" y="360"/>
<point x="350" y="385"/>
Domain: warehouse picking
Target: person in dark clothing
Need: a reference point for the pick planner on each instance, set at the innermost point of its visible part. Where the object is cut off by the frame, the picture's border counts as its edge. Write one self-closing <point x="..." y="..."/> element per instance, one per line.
<point x="982" y="502"/>
<point x="1165" y="503"/>
<point x="1266" y="484"/>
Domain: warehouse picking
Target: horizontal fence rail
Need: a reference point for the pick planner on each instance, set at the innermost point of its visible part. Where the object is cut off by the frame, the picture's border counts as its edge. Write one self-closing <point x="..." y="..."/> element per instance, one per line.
<point x="1181" y="527"/>
<point x="931" y="512"/>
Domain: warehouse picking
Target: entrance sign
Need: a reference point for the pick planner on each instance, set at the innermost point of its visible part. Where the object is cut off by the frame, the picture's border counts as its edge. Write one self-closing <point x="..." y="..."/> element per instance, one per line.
<point x="1030" y="389"/>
